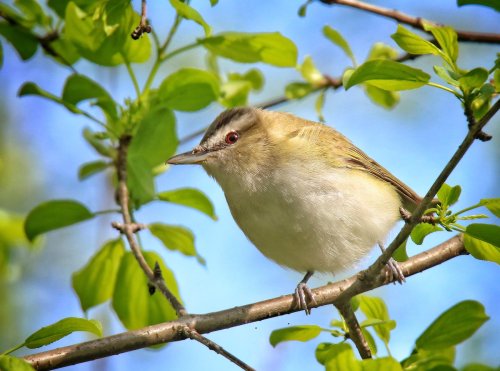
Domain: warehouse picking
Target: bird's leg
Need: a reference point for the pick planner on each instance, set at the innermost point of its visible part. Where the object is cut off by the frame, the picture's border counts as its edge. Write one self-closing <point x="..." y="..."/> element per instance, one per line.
<point x="303" y="294"/>
<point x="395" y="273"/>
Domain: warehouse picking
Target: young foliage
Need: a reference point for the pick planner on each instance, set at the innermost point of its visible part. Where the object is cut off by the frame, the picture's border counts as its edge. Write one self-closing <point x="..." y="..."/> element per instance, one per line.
<point x="189" y="197"/>
<point x="53" y="215"/>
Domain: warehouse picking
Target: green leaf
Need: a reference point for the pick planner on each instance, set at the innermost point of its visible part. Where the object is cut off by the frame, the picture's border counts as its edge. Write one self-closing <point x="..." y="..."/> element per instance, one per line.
<point x="189" y="197"/>
<point x="21" y="39"/>
<point x="65" y="51"/>
<point x="103" y="35"/>
<point x="453" y="326"/>
<point x="297" y="90"/>
<point x="381" y="364"/>
<point x="375" y="308"/>
<point x="235" y="93"/>
<point x="54" y="214"/>
<point x="388" y="75"/>
<point x="449" y="195"/>
<point x="79" y="88"/>
<point x="271" y="48"/>
<point x="489" y="233"/>
<point x="155" y="139"/>
<point x="400" y="255"/>
<point x="447" y="75"/>
<point x="30" y="88"/>
<point x="335" y="37"/>
<point x="90" y="168"/>
<point x="338" y="357"/>
<point x="481" y="250"/>
<point x="382" y="51"/>
<point x="186" y="11"/>
<point x="384" y="98"/>
<point x="140" y="181"/>
<point x="413" y="43"/>
<point x="96" y="140"/>
<point x="310" y="73"/>
<point x="299" y="333"/>
<point x="175" y="238"/>
<point x="422" y="359"/>
<point x="494" y="4"/>
<point x="370" y="340"/>
<point x="131" y="300"/>
<point x="492" y="204"/>
<point x="49" y="334"/>
<point x="478" y="366"/>
<point x="475" y="78"/>
<point x="95" y="282"/>
<point x="33" y="12"/>
<point x="319" y="104"/>
<point x="9" y="363"/>
<point x="421" y="231"/>
<point x="447" y="40"/>
<point x="189" y="89"/>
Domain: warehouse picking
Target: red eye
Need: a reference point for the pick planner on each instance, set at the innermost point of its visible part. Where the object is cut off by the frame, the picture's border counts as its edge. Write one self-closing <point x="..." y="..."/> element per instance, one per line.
<point x="232" y="137"/>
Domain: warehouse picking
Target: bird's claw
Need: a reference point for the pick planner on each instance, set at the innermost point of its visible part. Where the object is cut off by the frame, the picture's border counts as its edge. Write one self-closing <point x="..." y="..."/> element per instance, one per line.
<point x="303" y="296"/>
<point x="394" y="272"/>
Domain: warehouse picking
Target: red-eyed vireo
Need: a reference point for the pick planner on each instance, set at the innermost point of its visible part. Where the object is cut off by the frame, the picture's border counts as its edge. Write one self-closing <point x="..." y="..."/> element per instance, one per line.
<point x="301" y="192"/>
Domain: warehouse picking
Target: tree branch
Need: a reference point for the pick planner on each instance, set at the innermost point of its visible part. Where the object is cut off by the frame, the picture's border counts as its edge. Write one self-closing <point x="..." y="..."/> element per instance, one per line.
<point x="204" y="323"/>
<point x="128" y="228"/>
<point x="355" y="334"/>
<point x="416" y="22"/>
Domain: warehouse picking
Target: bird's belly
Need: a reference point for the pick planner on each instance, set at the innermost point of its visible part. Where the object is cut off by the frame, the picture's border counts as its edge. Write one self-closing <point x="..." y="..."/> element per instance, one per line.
<point x="313" y="228"/>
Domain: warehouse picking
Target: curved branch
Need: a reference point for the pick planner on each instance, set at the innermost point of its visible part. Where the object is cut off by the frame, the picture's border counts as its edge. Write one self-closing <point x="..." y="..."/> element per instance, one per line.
<point x="416" y="22"/>
<point x="204" y="323"/>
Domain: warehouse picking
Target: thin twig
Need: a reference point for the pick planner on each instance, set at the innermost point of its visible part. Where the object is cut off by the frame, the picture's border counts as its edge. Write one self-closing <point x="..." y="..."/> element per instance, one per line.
<point x="416" y="22"/>
<point x="129" y="228"/>
<point x="169" y="331"/>
<point x="143" y="24"/>
<point x="373" y="272"/>
<point x="192" y="334"/>
<point x="355" y="333"/>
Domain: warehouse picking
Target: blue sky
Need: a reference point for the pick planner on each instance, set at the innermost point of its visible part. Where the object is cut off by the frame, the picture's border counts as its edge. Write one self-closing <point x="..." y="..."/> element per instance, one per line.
<point x="414" y="141"/>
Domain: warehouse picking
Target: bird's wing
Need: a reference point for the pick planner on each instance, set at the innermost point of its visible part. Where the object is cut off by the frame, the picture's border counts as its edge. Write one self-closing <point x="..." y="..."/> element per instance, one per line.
<point x="340" y="152"/>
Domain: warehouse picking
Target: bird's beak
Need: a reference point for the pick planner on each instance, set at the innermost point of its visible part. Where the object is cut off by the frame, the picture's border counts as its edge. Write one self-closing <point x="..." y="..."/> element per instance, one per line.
<point x="195" y="156"/>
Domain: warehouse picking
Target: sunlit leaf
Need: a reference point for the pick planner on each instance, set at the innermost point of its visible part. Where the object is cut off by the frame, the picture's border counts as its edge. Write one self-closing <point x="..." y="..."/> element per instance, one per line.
<point x="388" y="75"/>
<point x="488" y="233"/>
<point x="453" y="326"/>
<point x="381" y="364"/>
<point x="9" y="363"/>
<point x="189" y="89"/>
<point x="49" y="334"/>
<point x="384" y="98"/>
<point x="475" y="78"/>
<point x="489" y="3"/>
<point x="188" y="12"/>
<point x="175" y="238"/>
<point x="272" y="48"/>
<point x="449" y="195"/>
<point x="375" y="308"/>
<point x="447" y="40"/>
<point x="79" y="88"/>
<point x="421" y="231"/>
<point x="481" y="250"/>
<point x="95" y="282"/>
<point x="335" y="37"/>
<point x="299" y="333"/>
<point x="53" y="215"/>
<point x="189" y="197"/>
<point x="413" y="43"/>
<point x="492" y="204"/>
<point x="131" y="299"/>
<point x="297" y="90"/>
<point x="90" y="168"/>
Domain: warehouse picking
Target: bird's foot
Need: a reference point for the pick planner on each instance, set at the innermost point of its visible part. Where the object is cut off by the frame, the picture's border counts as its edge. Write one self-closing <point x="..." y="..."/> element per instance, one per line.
<point x="303" y="296"/>
<point x="394" y="272"/>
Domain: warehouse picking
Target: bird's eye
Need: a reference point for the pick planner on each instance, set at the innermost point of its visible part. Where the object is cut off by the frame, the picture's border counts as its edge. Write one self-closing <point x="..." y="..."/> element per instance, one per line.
<point x="232" y="137"/>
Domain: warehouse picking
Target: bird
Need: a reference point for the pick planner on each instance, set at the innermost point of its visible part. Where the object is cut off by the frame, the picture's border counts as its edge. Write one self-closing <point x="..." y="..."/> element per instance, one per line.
<point x="300" y="191"/>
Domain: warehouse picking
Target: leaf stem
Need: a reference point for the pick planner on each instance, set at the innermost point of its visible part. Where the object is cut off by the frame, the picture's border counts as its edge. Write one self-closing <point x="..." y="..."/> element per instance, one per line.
<point x="8" y="351"/>
<point x="430" y="83"/>
<point x="469" y="208"/>
<point x="132" y="76"/>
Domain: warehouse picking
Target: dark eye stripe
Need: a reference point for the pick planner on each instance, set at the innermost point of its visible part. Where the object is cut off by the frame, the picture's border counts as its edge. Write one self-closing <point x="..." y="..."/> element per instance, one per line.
<point x="224" y="119"/>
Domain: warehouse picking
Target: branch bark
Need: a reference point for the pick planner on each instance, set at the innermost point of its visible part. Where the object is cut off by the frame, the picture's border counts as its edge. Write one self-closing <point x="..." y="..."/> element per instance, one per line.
<point x="416" y="22"/>
<point x="204" y="323"/>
